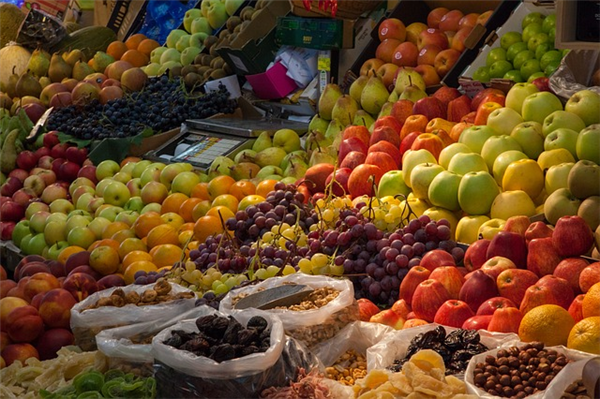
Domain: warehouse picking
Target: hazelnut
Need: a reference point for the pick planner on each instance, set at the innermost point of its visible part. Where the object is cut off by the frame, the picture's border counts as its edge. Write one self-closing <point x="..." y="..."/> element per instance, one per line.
<point x="502" y="361"/>
<point x="505" y="380"/>
<point x="541" y="385"/>
<point x="514" y="381"/>
<point x="541" y="376"/>
<point x="518" y="388"/>
<point x="538" y="345"/>
<point x="504" y="370"/>
<point x="489" y="384"/>
<point x="561" y="360"/>
<point x="521" y="395"/>
<point x="490" y="359"/>
<point x="502" y="353"/>
<point x="528" y="390"/>
<point x="524" y="357"/>
<point x="479" y="380"/>
<point x="507" y="392"/>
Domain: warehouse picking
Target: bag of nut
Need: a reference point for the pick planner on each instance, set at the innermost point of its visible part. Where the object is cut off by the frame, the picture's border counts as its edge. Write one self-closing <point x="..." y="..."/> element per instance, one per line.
<point x="544" y="367"/>
<point x="120" y="306"/>
<point x="129" y="348"/>
<point x="317" y="318"/>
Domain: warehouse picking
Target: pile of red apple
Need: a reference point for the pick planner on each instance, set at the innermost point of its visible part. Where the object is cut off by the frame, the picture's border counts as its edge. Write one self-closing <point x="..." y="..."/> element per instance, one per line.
<point x="44" y="176"/>
<point x="432" y="48"/>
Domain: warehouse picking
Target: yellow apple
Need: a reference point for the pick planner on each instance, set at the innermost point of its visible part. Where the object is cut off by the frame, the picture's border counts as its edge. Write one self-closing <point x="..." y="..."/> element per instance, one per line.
<point x="490" y="228"/>
<point x="512" y="203"/>
<point x="467" y="228"/>
<point x="526" y="175"/>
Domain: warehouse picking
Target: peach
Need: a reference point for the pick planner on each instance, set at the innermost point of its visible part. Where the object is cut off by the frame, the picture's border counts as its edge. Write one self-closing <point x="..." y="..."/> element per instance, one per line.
<point x="4" y="340"/>
<point x="86" y="270"/>
<point x="55" y="308"/>
<point x="40" y="282"/>
<point x="24" y="324"/>
<point x="7" y="305"/>
<point x="3" y="274"/>
<point x="5" y="287"/>
<point x="56" y="267"/>
<point x="52" y="340"/>
<point x="25" y="261"/>
<point x="20" y="352"/>
<point x="32" y="268"/>
<point x="112" y="280"/>
<point x="77" y="259"/>
<point x="80" y="285"/>
<point x="37" y="299"/>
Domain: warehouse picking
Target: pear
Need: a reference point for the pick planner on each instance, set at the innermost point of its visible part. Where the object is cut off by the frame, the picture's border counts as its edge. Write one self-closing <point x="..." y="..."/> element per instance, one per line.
<point x="263" y="141"/>
<point x="28" y="86"/>
<point x="246" y="155"/>
<point x="334" y="130"/>
<point x="317" y="124"/>
<point x="296" y="168"/>
<point x="363" y="118"/>
<point x="12" y="84"/>
<point x="299" y="155"/>
<point x="270" y="156"/>
<point x="374" y="95"/>
<point x="268" y="171"/>
<point x="357" y="87"/>
<point x="393" y="97"/>
<point x="81" y="70"/>
<point x="413" y="93"/>
<point x="44" y="81"/>
<point x="328" y="99"/>
<point x="344" y="110"/>
<point x="316" y="139"/>
<point x="59" y="69"/>
<point x="39" y="63"/>
<point x="221" y="165"/>
<point x="322" y="155"/>
<point x="101" y="61"/>
<point x="289" y="180"/>
<point x="72" y="57"/>
<point x="244" y="170"/>
<point x="385" y="110"/>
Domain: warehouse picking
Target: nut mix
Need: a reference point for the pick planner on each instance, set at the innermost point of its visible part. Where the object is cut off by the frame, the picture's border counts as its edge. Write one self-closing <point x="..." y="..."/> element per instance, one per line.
<point x="315" y="300"/>
<point x="348" y="368"/>
<point x="223" y="338"/>
<point x="576" y="390"/>
<point x="519" y="372"/>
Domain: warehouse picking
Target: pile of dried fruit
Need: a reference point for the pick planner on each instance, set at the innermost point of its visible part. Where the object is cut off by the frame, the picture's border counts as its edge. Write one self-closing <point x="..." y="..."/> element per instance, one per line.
<point x="223" y="338"/>
<point x="348" y="368"/>
<point x="306" y="386"/>
<point x="576" y="390"/>
<point x="315" y="300"/>
<point x="456" y="348"/>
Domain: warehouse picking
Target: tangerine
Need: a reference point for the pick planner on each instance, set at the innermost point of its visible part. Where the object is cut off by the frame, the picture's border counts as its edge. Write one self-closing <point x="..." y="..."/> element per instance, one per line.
<point x="162" y="234"/>
<point x="105" y="260"/>
<point x="242" y="188"/>
<point x="585" y="335"/>
<point x="135" y="256"/>
<point x="146" y="222"/>
<point x="67" y="252"/>
<point x="166" y="254"/>
<point x="106" y="242"/>
<point x="591" y="302"/>
<point x="116" y="50"/>
<point x="219" y="185"/>
<point x="200" y="190"/>
<point x="227" y="200"/>
<point x="135" y="58"/>
<point x="265" y="187"/>
<point x="187" y="208"/>
<point x="550" y="324"/>
<point x="207" y="226"/>
<point x="129" y="159"/>
<point x="122" y="235"/>
<point x="222" y="210"/>
<point x="134" y="41"/>
<point x="173" y="202"/>
<point x="114" y="227"/>
<point x="130" y="245"/>
<point x="147" y="45"/>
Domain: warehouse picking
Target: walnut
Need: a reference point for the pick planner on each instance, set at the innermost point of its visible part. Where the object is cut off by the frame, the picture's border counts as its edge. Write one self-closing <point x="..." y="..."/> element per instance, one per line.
<point x="149" y="296"/>
<point x="132" y="297"/>
<point x="119" y="292"/>
<point x="162" y="287"/>
<point x="117" y="301"/>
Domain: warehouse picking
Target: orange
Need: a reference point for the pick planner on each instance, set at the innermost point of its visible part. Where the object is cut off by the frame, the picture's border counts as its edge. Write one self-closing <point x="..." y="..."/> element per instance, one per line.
<point x="585" y="335"/>
<point x="591" y="302"/>
<point x="200" y="190"/>
<point x="107" y="242"/>
<point x="162" y="234"/>
<point x="135" y="58"/>
<point x="241" y="188"/>
<point x="130" y="245"/>
<point x="227" y="200"/>
<point x="122" y="235"/>
<point x="173" y="219"/>
<point x="225" y="212"/>
<point x="105" y="260"/>
<point x="173" y="202"/>
<point x="112" y="228"/>
<point x="116" y="50"/>
<point x="135" y="267"/>
<point x="166" y="255"/>
<point x="186" y="227"/>
<point x="68" y="251"/>
<point x="147" y="45"/>
<point x="187" y="208"/>
<point x="265" y="187"/>
<point x="200" y="209"/>
<point x="550" y="324"/>
<point x="219" y="185"/>
<point x="206" y="226"/>
<point x="146" y="222"/>
<point x="134" y="41"/>
<point x="184" y="236"/>
<point x="135" y="256"/>
<point x="129" y="159"/>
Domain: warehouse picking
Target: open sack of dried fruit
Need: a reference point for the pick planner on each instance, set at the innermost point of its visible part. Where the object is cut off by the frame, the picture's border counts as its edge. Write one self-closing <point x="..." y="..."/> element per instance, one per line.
<point x="120" y="306"/>
<point x="315" y="318"/>
<point x="220" y="356"/>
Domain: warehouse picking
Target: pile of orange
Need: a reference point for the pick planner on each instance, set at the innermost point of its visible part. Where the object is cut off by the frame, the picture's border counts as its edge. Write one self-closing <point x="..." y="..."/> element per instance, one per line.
<point x="135" y="50"/>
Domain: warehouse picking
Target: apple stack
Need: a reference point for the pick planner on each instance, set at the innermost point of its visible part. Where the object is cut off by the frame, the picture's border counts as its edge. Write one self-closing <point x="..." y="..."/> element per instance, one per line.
<point x="524" y="55"/>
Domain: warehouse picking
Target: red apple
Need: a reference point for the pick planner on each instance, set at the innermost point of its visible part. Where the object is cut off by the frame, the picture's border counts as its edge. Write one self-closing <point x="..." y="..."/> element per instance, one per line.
<point x="50" y="139"/>
<point x="427" y="54"/>
<point x="366" y="309"/>
<point x="340" y="186"/>
<point x="109" y="93"/>
<point x="490" y="306"/>
<point x="360" y="132"/>
<point x="506" y="320"/>
<point x="401" y="110"/>
<point x="20" y="174"/>
<point x="435" y="16"/>
<point x="407" y="142"/>
<point x="76" y="155"/>
<point x="509" y="245"/>
<point x="535" y="296"/>
<point x="415" y="276"/>
<point x="429" y="74"/>
<point x="572" y="236"/>
<point x="427" y="299"/>
<point x="385" y="50"/>
<point x="381" y="159"/>
<point x="485" y="95"/>
<point x="517" y="224"/>
<point x="513" y="283"/>
<point x="11" y="186"/>
<point x="431" y="107"/>
<point x="483" y="18"/>
<point x="537" y="230"/>
<point x="26" y="160"/>
<point x="61" y="100"/>
<point x="477" y="322"/>
<point x="542" y="257"/>
<point x="496" y="265"/>
<point x="88" y="171"/>
<point x="458" y="41"/>
<point x="445" y="61"/>
<point x="458" y="108"/>
<point x="387" y="317"/>
<point x="364" y="179"/>
<point x="560" y="287"/>
<point x="392" y="28"/>
<point x="542" y="83"/>
<point x="430" y="142"/>
<point x="24" y="196"/>
<point x="317" y="175"/>
<point x="570" y="269"/>
<point x="589" y="276"/>
<point x="405" y="54"/>
<point x="351" y="144"/>
<point x="401" y="308"/>
<point x="450" y="277"/>
<point x="432" y="36"/>
<point x="437" y="258"/>
<point x="388" y="121"/>
<point x="453" y="313"/>
<point x="68" y="171"/>
<point x="476" y="254"/>
<point x="352" y="160"/>
<point x="450" y="21"/>
<point x="576" y="309"/>
<point x="385" y="133"/>
<point x="446" y="94"/>
<point x="477" y="289"/>
<point x="388" y="148"/>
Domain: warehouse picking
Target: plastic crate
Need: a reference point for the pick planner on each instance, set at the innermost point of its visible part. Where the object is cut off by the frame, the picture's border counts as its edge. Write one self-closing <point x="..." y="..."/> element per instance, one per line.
<point x="127" y="17"/>
<point x="315" y="33"/>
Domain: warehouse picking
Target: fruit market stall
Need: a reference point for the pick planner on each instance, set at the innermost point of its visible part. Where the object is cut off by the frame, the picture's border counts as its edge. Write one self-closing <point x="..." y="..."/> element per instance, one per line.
<point x="299" y="199"/>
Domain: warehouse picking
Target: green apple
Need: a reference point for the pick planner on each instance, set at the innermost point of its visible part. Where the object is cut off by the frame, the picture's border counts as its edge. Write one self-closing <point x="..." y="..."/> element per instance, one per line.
<point x="552" y="55"/>
<point x="560" y="203"/>
<point x="549" y="23"/>
<point x="515" y="49"/>
<point x="448" y="152"/>
<point x="502" y="162"/>
<point x="421" y="177"/>
<point x="510" y="38"/>
<point x="81" y="236"/>
<point x="584" y="179"/>
<point x="588" y="144"/>
<point x="517" y="94"/>
<point x="514" y="75"/>
<point x="61" y="205"/>
<point x="79" y="212"/>
<point x="551" y="67"/>
<point x="475" y="136"/>
<point x="543" y="49"/>
<point x="204" y="7"/>
<point x="535" y="75"/>
<point x="465" y="162"/>
<point x="554" y="157"/>
<point x="562" y="138"/>
<point x="200" y="25"/>
<point x="57" y="217"/>
<point x="287" y="139"/>
<point x="34" y="207"/>
<point x="467" y="229"/>
<point x="189" y="16"/>
<point x="107" y="168"/>
<point x="189" y="54"/>
<point x="110" y="212"/>
<point x="37" y="222"/>
<point x="530" y="30"/>
<point x="83" y="201"/>
<point x="412" y="158"/>
<point x="197" y="40"/>
<point x="552" y="35"/>
<point x="55" y="231"/>
<point x="495" y="146"/>
<point x="585" y="104"/>
<point x="173" y="37"/>
<point x="520" y="58"/>
<point x="24" y="244"/>
<point x="151" y="207"/>
<point x="21" y="230"/>
<point x="184" y="183"/>
<point x="482" y="74"/>
<point x="533" y="17"/>
<point x="530" y="67"/>
<point x="172" y="54"/>
<point x="232" y="5"/>
<point x="499" y="68"/>
<point x="536" y="40"/>
<point x="56" y="249"/>
<point x="559" y="119"/>
<point x="512" y="203"/>
<point x="183" y="43"/>
<point x="392" y="183"/>
<point x="557" y="177"/>
<point x="495" y="54"/>
<point x="503" y="120"/>
<point x="443" y="190"/>
<point x="116" y="194"/>
<point x="127" y="217"/>
<point x="76" y="221"/>
<point x="217" y="15"/>
<point x="537" y="106"/>
<point x="134" y="204"/>
<point x="101" y="186"/>
<point x="530" y="138"/>
<point x="37" y="244"/>
<point x="156" y="54"/>
<point x="476" y="193"/>
<point x="98" y="225"/>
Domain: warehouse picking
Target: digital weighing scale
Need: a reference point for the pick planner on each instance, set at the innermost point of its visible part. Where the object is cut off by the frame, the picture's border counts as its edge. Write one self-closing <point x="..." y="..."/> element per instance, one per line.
<point x="202" y="140"/>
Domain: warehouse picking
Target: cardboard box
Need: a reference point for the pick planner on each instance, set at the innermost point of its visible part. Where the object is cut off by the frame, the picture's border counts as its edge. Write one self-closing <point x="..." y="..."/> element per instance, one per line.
<point x="272" y="84"/>
<point x="55" y="8"/>
<point x="567" y="23"/>
<point x="254" y="48"/>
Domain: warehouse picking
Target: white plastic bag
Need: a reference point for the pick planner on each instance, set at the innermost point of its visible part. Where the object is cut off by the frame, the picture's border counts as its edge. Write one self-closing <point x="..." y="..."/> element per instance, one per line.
<point x="87" y="323"/>
<point x="395" y="345"/>
<point x="308" y="326"/>
<point x="567" y="375"/>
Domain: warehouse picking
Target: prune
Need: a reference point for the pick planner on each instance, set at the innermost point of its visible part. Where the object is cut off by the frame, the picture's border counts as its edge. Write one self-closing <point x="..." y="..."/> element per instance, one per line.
<point x="218" y="327"/>
<point x="223" y="352"/>
<point x="174" y="341"/>
<point x="248" y="350"/>
<point x="247" y="336"/>
<point x="231" y="333"/>
<point x="259" y="323"/>
<point x="203" y="323"/>
<point x="198" y="344"/>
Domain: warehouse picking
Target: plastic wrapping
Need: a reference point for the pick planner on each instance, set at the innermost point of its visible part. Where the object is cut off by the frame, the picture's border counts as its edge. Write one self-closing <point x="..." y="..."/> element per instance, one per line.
<point x="574" y="73"/>
<point x="40" y="30"/>
<point x="86" y="324"/>
<point x="182" y="374"/>
<point x="309" y="326"/>
<point x="122" y="353"/>
<point x="567" y="375"/>
<point x="395" y="345"/>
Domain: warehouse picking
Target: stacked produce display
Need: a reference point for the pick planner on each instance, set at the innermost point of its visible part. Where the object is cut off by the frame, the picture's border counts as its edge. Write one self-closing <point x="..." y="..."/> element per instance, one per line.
<point x="436" y="244"/>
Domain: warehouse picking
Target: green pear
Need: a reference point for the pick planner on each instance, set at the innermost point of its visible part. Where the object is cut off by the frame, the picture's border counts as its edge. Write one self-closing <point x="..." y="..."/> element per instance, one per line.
<point x="200" y="25"/>
<point x="102" y="60"/>
<point x="393" y="97"/>
<point x="296" y="168"/>
<point x="328" y="99"/>
<point x="316" y="139"/>
<point x="363" y="118"/>
<point x="246" y="155"/>
<point x="413" y="93"/>
<point x="344" y="110"/>
<point x="197" y="40"/>
<point x="39" y="63"/>
<point x="357" y="87"/>
<point x="59" y="69"/>
<point x="156" y="54"/>
<point x="221" y="165"/>
<point x="81" y="70"/>
<point x="270" y="156"/>
<point x="188" y="55"/>
<point x="289" y="180"/>
<point x="321" y="155"/>
<point x="73" y="56"/>
<point x="318" y="124"/>
<point x="386" y="110"/>
<point x="374" y="95"/>
<point x="269" y="170"/>
<point x="183" y="42"/>
<point x="244" y="171"/>
<point x="299" y="155"/>
<point x="263" y="141"/>
<point x="334" y="130"/>
<point x="27" y="85"/>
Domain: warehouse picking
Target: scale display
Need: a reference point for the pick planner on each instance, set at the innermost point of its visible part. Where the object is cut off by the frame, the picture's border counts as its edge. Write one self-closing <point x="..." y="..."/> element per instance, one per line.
<point x="206" y="148"/>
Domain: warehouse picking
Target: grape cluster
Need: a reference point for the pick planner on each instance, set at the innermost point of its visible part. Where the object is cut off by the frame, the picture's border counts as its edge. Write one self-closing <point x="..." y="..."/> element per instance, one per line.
<point x="162" y="105"/>
<point x="142" y="277"/>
